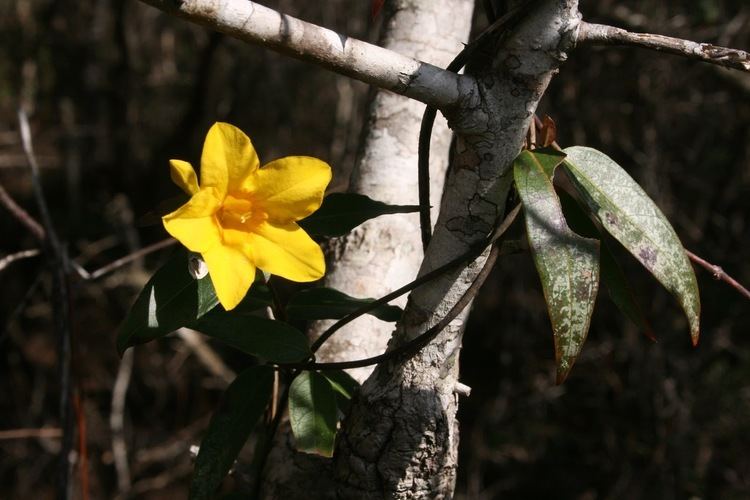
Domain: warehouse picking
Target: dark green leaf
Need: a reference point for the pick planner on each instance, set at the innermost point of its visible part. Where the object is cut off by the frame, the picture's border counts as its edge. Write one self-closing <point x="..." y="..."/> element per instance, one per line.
<point x="345" y="387"/>
<point x="312" y="413"/>
<point x="171" y="299"/>
<point x="327" y="303"/>
<point x="266" y="338"/>
<point x="258" y="297"/>
<point x="342" y="212"/>
<point x="618" y="286"/>
<point x="567" y="264"/>
<point x="631" y="217"/>
<point x="242" y="406"/>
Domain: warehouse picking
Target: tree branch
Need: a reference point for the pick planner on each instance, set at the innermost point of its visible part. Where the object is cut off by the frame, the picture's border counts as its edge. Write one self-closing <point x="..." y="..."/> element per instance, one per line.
<point x="719" y="274"/>
<point x="254" y="23"/>
<point x="599" y="34"/>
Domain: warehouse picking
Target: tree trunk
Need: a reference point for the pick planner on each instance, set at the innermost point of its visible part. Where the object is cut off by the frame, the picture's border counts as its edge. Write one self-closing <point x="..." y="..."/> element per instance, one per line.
<point x="401" y="437"/>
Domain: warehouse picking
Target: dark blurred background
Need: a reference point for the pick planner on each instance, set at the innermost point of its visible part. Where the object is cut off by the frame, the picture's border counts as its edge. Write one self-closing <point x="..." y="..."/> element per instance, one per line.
<point x="114" y="89"/>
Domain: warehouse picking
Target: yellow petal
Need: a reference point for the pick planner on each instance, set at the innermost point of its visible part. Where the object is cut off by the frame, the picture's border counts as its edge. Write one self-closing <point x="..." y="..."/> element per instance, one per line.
<point x="228" y="158"/>
<point x="291" y="188"/>
<point x="286" y="251"/>
<point x="194" y="224"/>
<point x="183" y="175"/>
<point x="231" y="273"/>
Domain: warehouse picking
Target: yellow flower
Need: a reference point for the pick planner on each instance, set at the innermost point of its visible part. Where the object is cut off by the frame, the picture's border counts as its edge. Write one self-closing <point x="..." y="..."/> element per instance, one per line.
<point x="243" y="216"/>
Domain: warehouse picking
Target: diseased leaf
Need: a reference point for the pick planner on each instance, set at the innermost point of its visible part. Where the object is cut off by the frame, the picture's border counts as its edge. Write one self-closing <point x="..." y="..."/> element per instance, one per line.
<point x="312" y="413"/>
<point x="171" y="299"/>
<point x="618" y="287"/>
<point x="241" y="407"/>
<point x="342" y="212"/>
<point x="269" y="339"/>
<point x="327" y="303"/>
<point x="567" y="264"/>
<point x="628" y="214"/>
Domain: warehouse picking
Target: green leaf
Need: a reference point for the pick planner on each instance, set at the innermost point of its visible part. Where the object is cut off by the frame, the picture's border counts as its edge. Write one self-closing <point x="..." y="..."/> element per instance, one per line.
<point x="342" y="212"/>
<point x="269" y="339"/>
<point x="327" y="303"/>
<point x="242" y="406"/>
<point x="258" y="297"/>
<point x="312" y="413"/>
<point x="628" y="214"/>
<point x="618" y="287"/>
<point x="567" y="264"/>
<point x="171" y="299"/>
<point x="345" y="387"/>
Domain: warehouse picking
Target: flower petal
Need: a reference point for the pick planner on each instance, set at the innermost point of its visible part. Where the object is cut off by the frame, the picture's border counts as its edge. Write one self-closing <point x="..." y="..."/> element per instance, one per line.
<point x="291" y="188"/>
<point x="286" y="251"/>
<point x="194" y="224"/>
<point x="231" y="274"/>
<point x="183" y="175"/>
<point x="228" y="158"/>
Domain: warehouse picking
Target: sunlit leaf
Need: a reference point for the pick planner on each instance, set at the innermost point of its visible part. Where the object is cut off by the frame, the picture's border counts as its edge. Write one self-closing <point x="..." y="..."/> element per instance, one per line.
<point x="567" y="264"/>
<point x="241" y="407"/>
<point x="618" y="286"/>
<point x="342" y="212"/>
<point x="171" y="299"/>
<point x="312" y="413"/>
<point x="327" y="303"/>
<point x="629" y="215"/>
<point x="269" y="339"/>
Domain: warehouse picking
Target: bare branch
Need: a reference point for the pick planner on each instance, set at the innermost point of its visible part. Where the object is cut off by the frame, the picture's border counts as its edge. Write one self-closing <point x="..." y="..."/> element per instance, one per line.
<point x="599" y="34"/>
<point x="23" y="254"/>
<point x="40" y="433"/>
<point x="122" y="260"/>
<point x="254" y="23"/>
<point x="719" y="274"/>
<point x="21" y="215"/>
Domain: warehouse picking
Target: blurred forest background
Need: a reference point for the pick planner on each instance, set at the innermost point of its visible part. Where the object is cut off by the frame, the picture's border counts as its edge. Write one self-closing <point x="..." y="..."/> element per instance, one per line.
<point x="115" y="88"/>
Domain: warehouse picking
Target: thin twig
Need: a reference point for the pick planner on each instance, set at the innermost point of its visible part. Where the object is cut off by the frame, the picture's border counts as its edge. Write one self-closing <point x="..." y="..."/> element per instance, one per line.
<point x="599" y="34"/>
<point x="122" y="260"/>
<point x="719" y="274"/>
<point x="207" y="356"/>
<point x="41" y="433"/>
<point x="13" y="257"/>
<point x="83" y="462"/>
<point x="21" y="215"/>
<point x="117" y="423"/>
<point x="58" y="261"/>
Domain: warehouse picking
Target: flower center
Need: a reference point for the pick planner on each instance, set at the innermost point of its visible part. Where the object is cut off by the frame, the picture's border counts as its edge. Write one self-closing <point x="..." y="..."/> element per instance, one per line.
<point x="238" y="211"/>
